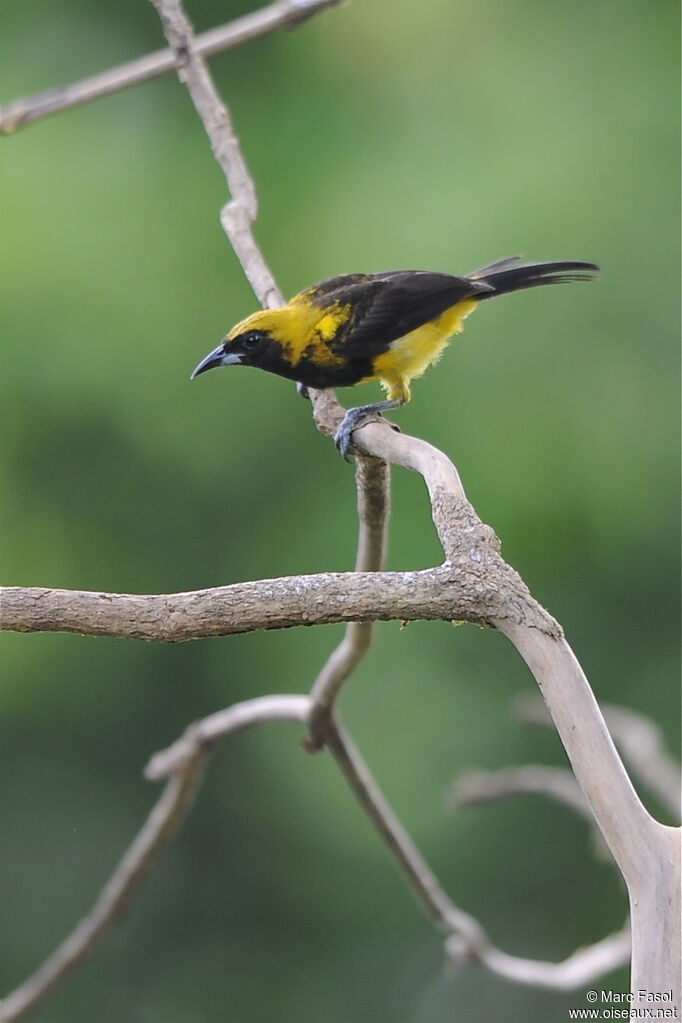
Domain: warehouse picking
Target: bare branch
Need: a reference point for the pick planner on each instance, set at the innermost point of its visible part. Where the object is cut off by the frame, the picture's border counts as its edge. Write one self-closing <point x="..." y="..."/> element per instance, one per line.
<point x="421" y="879"/>
<point x="646" y="852"/>
<point x="184" y="762"/>
<point x="576" y="715"/>
<point x="203" y="735"/>
<point x="582" y="967"/>
<point x="486" y="590"/>
<point x="283" y="14"/>
<point x="239" y="214"/>
<point x="467" y="941"/>
<point x="473" y="584"/>
<point x="489" y="588"/>
<point x="442" y="593"/>
<point x="558" y="783"/>
<point x="639" y="740"/>
<point x="585" y="965"/>
<point x="373" y="488"/>
<point x="157" y="832"/>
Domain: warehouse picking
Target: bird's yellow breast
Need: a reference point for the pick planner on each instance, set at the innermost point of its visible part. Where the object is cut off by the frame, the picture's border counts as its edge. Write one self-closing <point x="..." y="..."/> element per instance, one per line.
<point x="409" y="356"/>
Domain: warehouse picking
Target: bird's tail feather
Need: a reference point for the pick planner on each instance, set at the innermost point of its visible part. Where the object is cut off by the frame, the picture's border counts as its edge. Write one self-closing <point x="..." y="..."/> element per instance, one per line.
<point x="510" y="275"/>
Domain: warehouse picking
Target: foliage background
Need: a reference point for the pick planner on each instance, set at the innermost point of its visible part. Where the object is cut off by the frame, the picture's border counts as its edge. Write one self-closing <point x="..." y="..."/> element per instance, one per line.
<point x="380" y="135"/>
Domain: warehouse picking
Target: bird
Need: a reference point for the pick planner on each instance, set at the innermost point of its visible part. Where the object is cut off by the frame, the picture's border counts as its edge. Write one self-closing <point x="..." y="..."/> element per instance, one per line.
<point x="387" y="327"/>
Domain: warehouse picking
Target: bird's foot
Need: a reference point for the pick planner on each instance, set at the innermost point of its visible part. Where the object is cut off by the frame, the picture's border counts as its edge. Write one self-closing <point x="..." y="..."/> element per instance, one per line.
<point x="354" y="418"/>
<point x="302" y="390"/>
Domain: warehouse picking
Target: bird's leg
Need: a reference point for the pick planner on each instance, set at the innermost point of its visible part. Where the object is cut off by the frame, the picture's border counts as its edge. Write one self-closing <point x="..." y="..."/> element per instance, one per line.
<point x="355" y="417"/>
<point x="302" y="390"/>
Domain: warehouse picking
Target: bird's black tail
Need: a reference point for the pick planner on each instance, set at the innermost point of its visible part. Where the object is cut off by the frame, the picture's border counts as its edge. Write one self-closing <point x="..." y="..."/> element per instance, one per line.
<point x="511" y="275"/>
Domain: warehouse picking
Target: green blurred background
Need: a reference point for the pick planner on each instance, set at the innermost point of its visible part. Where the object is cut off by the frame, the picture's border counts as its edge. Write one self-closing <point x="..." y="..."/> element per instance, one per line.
<point x="381" y="135"/>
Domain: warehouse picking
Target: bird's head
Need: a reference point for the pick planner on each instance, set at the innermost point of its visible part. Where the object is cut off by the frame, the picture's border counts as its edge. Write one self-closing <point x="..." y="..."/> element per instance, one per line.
<point x="252" y="342"/>
<point x="266" y="339"/>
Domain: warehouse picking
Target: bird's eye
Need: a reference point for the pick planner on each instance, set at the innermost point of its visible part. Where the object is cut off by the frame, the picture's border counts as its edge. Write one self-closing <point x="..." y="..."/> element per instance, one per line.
<point x="252" y="339"/>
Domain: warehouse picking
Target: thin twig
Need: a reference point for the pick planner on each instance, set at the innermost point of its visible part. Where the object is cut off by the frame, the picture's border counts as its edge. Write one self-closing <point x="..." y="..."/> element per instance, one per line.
<point x="373" y="495"/>
<point x="203" y="735"/>
<point x="283" y="14"/>
<point x="419" y="875"/>
<point x="240" y="212"/>
<point x="467" y="940"/>
<point x="557" y="783"/>
<point x="182" y="764"/>
<point x="585" y="966"/>
<point x="160" y="827"/>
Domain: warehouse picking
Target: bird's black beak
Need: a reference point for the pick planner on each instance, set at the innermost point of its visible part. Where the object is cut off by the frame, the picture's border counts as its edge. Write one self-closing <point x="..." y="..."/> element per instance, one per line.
<point x="218" y="357"/>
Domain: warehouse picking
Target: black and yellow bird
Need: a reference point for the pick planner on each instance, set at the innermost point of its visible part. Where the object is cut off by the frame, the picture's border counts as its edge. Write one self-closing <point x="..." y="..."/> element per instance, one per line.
<point x="388" y="327"/>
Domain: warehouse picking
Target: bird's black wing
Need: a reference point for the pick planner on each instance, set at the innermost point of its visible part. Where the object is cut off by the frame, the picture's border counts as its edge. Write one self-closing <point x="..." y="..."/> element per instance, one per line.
<point x="323" y="293"/>
<point x="386" y="306"/>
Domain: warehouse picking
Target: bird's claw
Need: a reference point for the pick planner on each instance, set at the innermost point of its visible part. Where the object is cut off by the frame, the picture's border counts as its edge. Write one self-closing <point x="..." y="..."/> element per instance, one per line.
<point x="354" y="418"/>
<point x="302" y="390"/>
<point x="344" y="438"/>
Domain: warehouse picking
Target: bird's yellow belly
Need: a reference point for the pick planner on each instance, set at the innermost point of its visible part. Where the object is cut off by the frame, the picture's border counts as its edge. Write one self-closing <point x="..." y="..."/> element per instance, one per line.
<point x="409" y="356"/>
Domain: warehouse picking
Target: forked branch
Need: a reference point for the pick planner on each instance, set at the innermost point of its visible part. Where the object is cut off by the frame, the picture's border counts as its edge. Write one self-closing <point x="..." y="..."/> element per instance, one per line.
<point x="281" y="14"/>
<point x="474" y="582"/>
